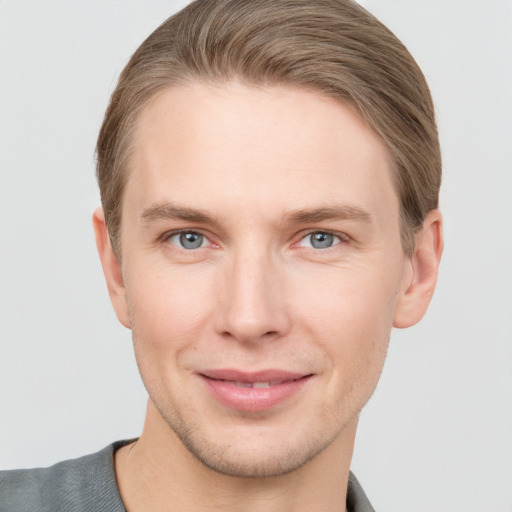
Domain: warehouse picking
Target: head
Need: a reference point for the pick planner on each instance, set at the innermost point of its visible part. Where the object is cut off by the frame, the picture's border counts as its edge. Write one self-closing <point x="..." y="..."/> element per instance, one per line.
<point x="269" y="174"/>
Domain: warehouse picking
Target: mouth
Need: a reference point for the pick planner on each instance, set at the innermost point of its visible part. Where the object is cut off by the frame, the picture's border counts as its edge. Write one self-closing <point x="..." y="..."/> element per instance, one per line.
<point x="260" y="385"/>
<point x="255" y="391"/>
<point x="257" y="384"/>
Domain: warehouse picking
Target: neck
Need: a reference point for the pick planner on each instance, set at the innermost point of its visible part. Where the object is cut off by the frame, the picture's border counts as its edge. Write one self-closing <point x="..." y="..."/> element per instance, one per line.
<point x="159" y="473"/>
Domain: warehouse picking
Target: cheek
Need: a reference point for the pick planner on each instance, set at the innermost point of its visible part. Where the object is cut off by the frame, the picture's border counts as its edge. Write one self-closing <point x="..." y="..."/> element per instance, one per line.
<point x="169" y="314"/>
<point x="168" y="308"/>
<point x="350" y="313"/>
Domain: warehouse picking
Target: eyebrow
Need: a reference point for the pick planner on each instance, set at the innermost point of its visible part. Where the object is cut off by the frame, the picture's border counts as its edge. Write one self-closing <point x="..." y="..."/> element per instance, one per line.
<point x="171" y="211"/>
<point x="166" y="211"/>
<point x="336" y="212"/>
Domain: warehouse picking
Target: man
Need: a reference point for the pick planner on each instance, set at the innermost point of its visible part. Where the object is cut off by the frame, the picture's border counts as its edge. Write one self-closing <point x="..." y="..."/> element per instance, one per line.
<point x="269" y="174"/>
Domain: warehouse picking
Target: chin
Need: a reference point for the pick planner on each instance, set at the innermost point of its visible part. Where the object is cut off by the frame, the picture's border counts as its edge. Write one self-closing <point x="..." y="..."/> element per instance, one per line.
<point x="249" y="450"/>
<point x="242" y="460"/>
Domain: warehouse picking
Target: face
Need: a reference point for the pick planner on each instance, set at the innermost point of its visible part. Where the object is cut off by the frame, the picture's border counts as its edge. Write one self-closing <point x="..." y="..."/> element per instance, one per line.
<point x="262" y="270"/>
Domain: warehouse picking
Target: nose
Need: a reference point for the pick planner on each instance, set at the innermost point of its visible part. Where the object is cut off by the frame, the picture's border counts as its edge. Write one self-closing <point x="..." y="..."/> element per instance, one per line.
<point x="252" y="299"/>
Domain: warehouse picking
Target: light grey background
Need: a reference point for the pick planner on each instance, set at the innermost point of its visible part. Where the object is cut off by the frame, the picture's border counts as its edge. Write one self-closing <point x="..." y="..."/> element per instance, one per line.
<point x="438" y="432"/>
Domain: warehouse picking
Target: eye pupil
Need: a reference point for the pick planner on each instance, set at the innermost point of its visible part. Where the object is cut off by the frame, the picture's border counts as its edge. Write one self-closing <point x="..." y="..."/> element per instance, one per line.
<point x="191" y="240"/>
<point x="321" y="240"/>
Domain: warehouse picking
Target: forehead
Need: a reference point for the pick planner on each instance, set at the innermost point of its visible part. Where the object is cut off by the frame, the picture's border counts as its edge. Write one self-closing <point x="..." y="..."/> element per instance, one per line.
<point x="280" y="146"/>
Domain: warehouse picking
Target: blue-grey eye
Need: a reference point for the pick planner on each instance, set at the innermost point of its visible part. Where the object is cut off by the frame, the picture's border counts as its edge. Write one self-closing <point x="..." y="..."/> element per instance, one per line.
<point x="188" y="240"/>
<point x="320" y="240"/>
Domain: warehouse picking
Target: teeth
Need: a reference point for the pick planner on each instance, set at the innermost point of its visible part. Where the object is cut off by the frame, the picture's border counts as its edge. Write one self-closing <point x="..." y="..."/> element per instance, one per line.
<point x="265" y="384"/>
<point x="243" y="384"/>
<point x="261" y="384"/>
<point x="255" y="384"/>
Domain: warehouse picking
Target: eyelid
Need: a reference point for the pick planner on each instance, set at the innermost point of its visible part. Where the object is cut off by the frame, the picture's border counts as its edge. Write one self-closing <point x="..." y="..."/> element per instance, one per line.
<point x="343" y="237"/>
<point x="165" y="237"/>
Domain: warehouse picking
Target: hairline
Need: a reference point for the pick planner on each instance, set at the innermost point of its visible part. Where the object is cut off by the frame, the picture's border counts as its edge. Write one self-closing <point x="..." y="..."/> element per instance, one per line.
<point x="189" y="79"/>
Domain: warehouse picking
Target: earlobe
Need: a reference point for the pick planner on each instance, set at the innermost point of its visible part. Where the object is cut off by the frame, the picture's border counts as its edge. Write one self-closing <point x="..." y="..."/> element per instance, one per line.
<point x="111" y="267"/>
<point x="424" y="264"/>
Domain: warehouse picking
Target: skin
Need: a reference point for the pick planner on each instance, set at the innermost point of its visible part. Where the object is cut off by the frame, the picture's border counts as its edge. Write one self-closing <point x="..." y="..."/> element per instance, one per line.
<point x="269" y="167"/>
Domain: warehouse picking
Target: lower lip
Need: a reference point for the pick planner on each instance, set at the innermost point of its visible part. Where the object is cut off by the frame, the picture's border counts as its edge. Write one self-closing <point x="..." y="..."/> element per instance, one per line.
<point x="253" y="399"/>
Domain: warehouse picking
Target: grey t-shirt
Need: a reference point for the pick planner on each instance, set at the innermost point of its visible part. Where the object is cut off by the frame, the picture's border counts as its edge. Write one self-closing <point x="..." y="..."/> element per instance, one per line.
<point x="88" y="484"/>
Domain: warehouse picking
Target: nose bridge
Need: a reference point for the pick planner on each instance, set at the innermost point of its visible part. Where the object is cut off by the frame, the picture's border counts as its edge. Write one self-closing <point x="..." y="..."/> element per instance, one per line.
<point x="253" y="303"/>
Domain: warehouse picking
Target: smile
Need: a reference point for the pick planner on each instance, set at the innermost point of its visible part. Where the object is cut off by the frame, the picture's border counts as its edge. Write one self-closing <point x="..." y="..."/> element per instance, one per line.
<point x="252" y="392"/>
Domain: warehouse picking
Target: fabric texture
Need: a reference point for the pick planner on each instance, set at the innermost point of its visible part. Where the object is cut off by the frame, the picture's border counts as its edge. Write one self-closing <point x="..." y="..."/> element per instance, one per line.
<point x="88" y="484"/>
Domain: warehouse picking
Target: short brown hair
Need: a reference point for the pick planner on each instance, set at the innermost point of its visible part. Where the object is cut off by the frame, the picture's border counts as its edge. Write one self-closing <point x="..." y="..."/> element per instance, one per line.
<point x="334" y="47"/>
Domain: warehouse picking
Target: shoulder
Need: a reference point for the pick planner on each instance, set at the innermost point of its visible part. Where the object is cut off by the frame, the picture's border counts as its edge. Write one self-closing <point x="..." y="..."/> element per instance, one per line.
<point x="84" y="484"/>
<point x="357" y="500"/>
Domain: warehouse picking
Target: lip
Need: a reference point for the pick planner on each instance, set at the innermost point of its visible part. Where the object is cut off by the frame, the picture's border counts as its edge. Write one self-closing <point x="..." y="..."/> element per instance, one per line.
<point x="234" y="388"/>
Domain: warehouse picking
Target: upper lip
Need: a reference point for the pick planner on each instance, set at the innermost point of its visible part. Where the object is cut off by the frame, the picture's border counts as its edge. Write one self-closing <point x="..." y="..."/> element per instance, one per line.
<point x="270" y="375"/>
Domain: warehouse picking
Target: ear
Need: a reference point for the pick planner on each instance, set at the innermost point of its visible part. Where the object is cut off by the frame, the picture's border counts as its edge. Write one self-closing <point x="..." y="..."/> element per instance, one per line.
<point x="111" y="267"/>
<point x="422" y="272"/>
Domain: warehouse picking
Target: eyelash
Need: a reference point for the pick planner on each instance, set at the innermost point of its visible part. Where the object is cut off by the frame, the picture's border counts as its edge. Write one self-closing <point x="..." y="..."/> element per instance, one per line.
<point x="342" y="237"/>
<point x="166" y="237"/>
